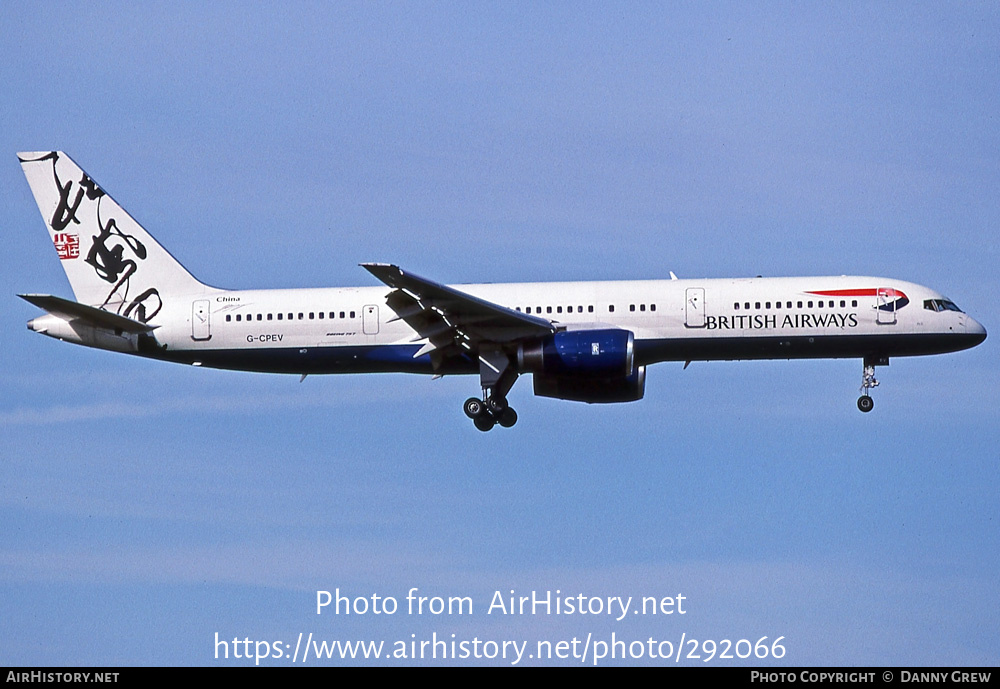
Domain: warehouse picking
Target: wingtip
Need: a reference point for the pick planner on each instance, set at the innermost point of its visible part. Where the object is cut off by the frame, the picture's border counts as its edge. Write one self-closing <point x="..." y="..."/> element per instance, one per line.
<point x="380" y="270"/>
<point x="32" y="298"/>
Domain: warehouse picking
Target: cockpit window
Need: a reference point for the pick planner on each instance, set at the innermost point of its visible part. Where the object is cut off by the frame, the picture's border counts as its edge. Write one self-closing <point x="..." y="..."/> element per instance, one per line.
<point x="941" y="305"/>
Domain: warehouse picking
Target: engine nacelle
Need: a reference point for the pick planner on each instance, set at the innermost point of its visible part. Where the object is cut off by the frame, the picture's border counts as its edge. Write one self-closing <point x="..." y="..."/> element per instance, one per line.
<point x="606" y="353"/>
<point x="593" y="390"/>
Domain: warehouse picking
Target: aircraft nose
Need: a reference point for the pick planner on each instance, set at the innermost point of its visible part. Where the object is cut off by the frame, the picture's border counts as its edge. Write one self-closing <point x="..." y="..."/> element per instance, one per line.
<point x="975" y="329"/>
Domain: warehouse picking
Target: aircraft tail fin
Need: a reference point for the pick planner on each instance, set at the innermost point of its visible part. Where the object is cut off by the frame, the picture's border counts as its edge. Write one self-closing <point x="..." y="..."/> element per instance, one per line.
<point x="111" y="262"/>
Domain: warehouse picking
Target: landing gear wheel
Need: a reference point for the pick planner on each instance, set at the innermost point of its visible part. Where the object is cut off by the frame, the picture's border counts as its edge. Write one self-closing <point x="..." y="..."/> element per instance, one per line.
<point x="508" y="417"/>
<point x="865" y="403"/>
<point x="473" y="407"/>
<point x="496" y="405"/>
<point x="484" y="422"/>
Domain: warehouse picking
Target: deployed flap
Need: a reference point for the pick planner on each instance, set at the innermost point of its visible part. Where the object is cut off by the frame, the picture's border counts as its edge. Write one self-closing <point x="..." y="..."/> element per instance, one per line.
<point x="71" y="310"/>
<point x="448" y="317"/>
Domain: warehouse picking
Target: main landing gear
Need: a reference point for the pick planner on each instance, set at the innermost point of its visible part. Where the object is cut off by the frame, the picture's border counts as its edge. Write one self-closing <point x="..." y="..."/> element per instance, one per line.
<point x="490" y="411"/>
<point x="865" y="402"/>
<point x="496" y="376"/>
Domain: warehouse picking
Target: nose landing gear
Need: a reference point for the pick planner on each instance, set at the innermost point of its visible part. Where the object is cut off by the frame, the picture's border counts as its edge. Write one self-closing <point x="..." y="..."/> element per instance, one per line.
<point x="868" y="381"/>
<point x="865" y="403"/>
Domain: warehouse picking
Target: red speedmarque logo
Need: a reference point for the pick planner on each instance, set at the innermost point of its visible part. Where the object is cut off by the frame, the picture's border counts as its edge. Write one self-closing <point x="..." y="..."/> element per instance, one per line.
<point x="67" y="245"/>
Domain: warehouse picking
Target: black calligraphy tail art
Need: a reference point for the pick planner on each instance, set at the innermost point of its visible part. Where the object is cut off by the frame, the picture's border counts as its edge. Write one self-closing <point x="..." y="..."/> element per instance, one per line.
<point x="111" y="262"/>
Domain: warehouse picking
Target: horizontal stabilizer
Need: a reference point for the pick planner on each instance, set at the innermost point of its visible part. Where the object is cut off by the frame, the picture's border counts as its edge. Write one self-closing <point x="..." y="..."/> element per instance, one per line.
<point x="71" y="310"/>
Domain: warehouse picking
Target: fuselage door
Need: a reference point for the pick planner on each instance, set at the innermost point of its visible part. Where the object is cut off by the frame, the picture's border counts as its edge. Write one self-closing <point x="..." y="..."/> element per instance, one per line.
<point x="886" y="305"/>
<point x="201" y="320"/>
<point x="369" y="319"/>
<point x="694" y="308"/>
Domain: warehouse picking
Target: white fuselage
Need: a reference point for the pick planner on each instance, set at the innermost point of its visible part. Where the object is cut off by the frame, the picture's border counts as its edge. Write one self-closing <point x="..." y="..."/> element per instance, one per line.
<point x="352" y="330"/>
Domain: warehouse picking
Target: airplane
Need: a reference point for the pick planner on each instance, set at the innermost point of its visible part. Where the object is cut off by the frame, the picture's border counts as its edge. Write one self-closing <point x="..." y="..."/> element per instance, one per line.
<point x="583" y="341"/>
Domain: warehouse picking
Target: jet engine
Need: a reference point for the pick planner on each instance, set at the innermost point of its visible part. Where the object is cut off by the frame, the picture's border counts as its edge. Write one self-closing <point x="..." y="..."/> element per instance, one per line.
<point x="585" y="365"/>
<point x="593" y="390"/>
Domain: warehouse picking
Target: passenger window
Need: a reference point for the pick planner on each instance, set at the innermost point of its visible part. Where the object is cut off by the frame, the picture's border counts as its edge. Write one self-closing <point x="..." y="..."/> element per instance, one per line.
<point x="642" y="307"/>
<point x="229" y="316"/>
<point x="810" y="304"/>
<point x="590" y="309"/>
<point x="611" y="308"/>
<point x="652" y="307"/>
<point x="631" y="307"/>
<point x="270" y="316"/>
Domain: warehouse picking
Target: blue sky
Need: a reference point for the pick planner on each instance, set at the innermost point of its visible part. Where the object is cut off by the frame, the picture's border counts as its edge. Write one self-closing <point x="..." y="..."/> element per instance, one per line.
<point x="148" y="506"/>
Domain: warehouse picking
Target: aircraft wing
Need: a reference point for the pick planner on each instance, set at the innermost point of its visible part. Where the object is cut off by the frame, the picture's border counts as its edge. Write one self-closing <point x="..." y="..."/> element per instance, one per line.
<point x="449" y="319"/>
